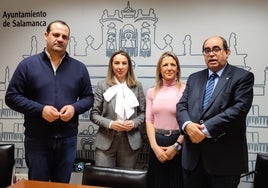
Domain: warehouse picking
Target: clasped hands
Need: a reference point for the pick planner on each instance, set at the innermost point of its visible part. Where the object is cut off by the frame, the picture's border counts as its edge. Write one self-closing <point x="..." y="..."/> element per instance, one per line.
<point x="165" y="153"/>
<point x="119" y="125"/>
<point x="51" y="114"/>
<point x="195" y="132"/>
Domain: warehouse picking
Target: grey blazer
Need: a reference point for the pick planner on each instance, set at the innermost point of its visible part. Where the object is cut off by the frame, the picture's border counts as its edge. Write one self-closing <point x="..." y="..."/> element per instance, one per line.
<point x="103" y="112"/>
<point x="225" y="118"/>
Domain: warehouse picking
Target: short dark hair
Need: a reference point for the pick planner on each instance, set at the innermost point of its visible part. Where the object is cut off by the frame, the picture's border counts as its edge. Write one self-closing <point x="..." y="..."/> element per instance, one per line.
<point x="56" y="21"/>
<point x="224" y="43"/>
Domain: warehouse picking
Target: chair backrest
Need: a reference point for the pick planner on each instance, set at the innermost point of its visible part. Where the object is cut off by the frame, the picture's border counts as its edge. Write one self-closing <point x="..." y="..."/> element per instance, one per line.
<point x="7" y="161"/>
<point x="261" y="170"/>
<point x="114" y="177"/>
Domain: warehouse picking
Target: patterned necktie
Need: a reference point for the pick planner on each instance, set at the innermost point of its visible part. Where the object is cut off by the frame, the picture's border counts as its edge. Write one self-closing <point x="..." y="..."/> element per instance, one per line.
<point x="209" y="89"/>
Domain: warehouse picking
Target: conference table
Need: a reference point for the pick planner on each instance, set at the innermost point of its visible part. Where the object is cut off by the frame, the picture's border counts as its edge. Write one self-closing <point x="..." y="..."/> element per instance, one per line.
<point x="43" y="184"/>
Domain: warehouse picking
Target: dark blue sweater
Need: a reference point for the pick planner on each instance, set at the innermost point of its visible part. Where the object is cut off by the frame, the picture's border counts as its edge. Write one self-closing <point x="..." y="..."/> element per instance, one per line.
<point x="34" y="84"/>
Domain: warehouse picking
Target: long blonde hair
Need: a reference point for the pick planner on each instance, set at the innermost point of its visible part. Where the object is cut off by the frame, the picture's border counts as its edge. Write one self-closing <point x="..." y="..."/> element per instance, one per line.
<point x="159" y="77"/>
<point x="131" y="80"/>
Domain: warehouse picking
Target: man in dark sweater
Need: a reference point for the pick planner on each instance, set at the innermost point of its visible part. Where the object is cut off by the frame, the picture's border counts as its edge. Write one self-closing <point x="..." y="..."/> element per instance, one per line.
<point x="51" y="89"/>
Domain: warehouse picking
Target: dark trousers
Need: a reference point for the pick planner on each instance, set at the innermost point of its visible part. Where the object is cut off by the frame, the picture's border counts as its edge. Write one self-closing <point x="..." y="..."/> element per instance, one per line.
<point x="199" y="178"/>
<point x="50" y="159"/>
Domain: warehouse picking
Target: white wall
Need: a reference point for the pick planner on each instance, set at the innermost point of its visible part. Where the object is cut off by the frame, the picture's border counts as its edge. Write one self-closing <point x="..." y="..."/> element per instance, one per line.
<point x="175" y="25"/>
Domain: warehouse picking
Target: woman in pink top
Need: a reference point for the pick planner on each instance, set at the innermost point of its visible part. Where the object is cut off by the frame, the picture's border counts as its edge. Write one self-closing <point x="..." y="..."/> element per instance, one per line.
<point x="162" y="129"/>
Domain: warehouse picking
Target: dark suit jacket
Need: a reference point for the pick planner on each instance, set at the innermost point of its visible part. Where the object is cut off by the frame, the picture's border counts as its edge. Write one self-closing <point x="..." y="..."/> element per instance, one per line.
<point x="225" y="118"/>
<point x="103" y="112"/>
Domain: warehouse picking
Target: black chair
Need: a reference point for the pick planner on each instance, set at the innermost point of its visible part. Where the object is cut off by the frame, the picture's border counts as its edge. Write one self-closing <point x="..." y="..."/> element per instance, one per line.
<point x="261" y="170"/>
<point x="7" y="161"/>
<point x="114" y="177"/>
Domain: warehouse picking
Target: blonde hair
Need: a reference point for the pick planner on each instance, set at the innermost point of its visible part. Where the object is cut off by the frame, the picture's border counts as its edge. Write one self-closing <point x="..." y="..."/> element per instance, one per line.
<point x="130" y="76"/>
<point x="159" y="77"/>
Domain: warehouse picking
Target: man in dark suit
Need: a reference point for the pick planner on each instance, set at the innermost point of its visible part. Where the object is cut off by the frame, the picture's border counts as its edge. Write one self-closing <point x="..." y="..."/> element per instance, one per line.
<point x="214" y="151"/>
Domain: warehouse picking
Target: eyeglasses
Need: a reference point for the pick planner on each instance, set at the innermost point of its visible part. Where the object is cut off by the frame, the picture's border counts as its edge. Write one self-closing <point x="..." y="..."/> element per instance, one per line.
<point x="214" y="50"/>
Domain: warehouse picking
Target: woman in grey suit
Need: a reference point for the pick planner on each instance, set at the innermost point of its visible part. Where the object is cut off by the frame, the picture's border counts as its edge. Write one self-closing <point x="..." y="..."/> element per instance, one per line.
<point x="119" y="111"/>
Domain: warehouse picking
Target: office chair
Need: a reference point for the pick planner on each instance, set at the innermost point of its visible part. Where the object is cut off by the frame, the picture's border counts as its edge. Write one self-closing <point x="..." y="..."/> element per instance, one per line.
<point x="114" y="177"/>
<point x="7" y="162"/>
<point x="261" y="170"/>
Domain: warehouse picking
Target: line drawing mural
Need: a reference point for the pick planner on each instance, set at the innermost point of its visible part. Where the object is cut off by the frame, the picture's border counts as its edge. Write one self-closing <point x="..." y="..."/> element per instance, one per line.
<point x="135" y="31"/>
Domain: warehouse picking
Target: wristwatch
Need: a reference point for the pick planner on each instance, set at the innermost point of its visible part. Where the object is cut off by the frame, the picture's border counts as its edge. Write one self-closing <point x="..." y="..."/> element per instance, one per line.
<point x="177" y="146"/>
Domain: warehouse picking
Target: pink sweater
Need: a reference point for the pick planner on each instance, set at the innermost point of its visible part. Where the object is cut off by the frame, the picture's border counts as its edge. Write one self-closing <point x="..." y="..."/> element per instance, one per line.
<point x="161" y="110"/>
